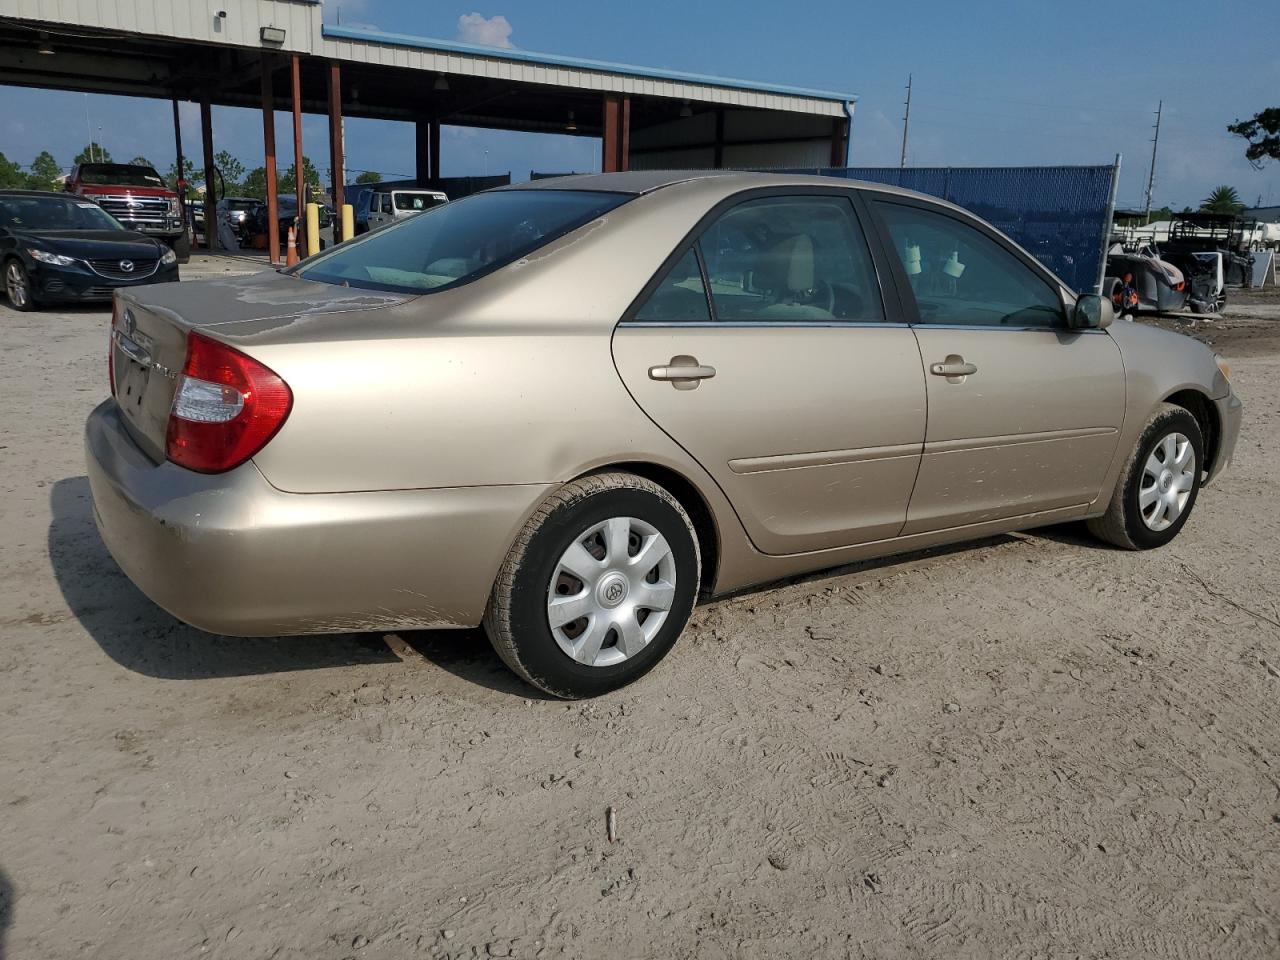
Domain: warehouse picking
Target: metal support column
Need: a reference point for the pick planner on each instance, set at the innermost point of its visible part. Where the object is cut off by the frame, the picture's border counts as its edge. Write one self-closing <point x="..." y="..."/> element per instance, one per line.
<point x="210" y="191"/>
<point x="615" y="154"/>
<point x="181" y="186"/>
<point x="839" y="141"/>
<point x="336" y="155"/>
<point x="422" y="170"/>
<point x="433" y="147"/>
<point x="300" y="184"/>
<point x="718" y="160"/>
<point x="269" y="143"/>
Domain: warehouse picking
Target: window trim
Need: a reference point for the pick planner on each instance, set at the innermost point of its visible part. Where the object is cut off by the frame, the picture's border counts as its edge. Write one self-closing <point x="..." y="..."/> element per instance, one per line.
<point x="906" y="294"/>
<point x="848" y="194"/>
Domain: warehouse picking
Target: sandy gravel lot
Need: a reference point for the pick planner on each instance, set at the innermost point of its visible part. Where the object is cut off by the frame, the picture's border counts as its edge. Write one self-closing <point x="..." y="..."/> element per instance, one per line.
<point x="1032" y="746"/>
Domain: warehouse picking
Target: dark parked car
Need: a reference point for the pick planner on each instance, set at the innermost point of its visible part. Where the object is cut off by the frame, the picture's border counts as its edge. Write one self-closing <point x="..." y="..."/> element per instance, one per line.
<point x="287" y="216"/>
<point x="56" y="247"/>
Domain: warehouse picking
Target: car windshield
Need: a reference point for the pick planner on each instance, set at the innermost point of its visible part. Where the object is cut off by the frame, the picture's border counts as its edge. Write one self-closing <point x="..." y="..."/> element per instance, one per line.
<point x="54" y="213"/>
<point x="454" y="243"/>
<point x="120" y="174"/>
<point x="416" y="201"/>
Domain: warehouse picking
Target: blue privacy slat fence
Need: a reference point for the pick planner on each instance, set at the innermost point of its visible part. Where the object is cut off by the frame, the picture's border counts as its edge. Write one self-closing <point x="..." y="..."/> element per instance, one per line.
<point x="1062" y="215"/>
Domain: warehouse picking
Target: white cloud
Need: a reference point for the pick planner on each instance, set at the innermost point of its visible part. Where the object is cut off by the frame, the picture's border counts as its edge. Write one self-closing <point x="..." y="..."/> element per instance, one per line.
<point x="486" y="31"/>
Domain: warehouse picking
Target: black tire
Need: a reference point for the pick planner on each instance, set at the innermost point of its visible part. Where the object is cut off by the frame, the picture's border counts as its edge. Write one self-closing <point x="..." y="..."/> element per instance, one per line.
<point x="516" y="619"/>
<point x="15" y="272"/>
<point x="182" y="247"/>
<point x="1123" y="524"/>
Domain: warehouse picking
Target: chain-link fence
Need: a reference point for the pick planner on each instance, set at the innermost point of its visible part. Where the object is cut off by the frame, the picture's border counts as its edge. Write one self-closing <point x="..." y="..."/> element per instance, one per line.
<point x="1062" y="215"/>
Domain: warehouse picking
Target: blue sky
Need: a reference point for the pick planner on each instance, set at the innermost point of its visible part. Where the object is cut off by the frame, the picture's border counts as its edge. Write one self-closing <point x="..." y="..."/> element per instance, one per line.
<point x="997" y="82"/>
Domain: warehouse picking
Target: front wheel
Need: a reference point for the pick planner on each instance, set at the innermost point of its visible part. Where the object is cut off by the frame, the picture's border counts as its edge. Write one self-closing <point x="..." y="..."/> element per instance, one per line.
<point x="17" y="286"/>
<point x="1158" y="486"/>
<point x="598" y="586"/>
<point x="182" y="247"/>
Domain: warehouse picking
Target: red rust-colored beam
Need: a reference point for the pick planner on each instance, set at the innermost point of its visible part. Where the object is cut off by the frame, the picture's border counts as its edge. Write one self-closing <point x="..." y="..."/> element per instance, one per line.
<point x="269" y="143"/>
<point x="336" y="154"/>
<point x="300" y="186"/>
<point x="615" y="153"/>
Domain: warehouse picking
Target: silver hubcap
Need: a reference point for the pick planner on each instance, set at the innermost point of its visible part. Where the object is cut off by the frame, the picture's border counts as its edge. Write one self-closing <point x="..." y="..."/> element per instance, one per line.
<point x="611" y="591"/>
<point x="1167" y="480"/>
<point x="16" y="285"/>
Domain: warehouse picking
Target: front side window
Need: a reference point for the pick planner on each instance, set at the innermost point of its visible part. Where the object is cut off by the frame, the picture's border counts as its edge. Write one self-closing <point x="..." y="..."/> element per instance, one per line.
<point x="456" y="242"/>
<point x="416" y="201"/>
<point x="959" y="275"/>
<point x="790" y="259"/>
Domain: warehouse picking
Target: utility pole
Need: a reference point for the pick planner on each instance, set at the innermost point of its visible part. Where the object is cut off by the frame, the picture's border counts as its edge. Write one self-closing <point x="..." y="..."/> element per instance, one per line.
<point x="906" y="123"/>
<point x="1151" y="178"/>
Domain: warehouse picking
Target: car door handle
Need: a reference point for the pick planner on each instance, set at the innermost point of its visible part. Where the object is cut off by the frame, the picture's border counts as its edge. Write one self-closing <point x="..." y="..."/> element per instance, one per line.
<point x="683" y="372"/>
<point x="953" y="366"/>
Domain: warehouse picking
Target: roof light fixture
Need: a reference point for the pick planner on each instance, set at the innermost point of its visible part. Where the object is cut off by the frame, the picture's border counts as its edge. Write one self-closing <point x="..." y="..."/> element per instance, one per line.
<point x="685" y="109"/>
<point x="45" y="48"/>
<point x="442" y="83"/>
<point x="572" y="124"/>
<point x="273" y="35"/>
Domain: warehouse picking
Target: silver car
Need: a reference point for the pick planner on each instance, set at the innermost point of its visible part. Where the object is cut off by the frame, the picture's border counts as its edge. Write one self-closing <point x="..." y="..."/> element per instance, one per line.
<point x="571" y="408"/>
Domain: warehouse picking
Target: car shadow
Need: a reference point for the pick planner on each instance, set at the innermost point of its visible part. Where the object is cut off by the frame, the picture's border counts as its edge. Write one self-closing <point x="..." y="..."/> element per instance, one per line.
<point x="1074" y="534"/>
<point x="141" y="637"/>
<point x="469" y="656"/>
<point x="7" y="897"/>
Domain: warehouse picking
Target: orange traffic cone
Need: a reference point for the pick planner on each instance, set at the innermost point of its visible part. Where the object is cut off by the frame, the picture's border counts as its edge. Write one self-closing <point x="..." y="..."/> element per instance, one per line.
<point x="291" y="255"/>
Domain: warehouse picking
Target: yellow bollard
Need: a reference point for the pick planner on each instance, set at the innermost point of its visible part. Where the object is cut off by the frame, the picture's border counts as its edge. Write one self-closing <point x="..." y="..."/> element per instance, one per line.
<point x="313" y="229"/>
<point x="348" y="221"/>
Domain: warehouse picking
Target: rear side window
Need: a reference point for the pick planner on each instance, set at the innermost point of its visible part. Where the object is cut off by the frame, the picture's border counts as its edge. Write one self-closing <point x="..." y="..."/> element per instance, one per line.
<point x="959" y="275"/>
<point x="681" y="297"/>
<point x="457" y="242"/>
<point x="790" y="259"/>
<point x="416" y="201"/>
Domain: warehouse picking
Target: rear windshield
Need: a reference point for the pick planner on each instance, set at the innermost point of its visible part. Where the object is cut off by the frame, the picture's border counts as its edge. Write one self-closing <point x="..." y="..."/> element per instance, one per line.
<point x="459" y="241"/>
<point x="54" y="213"/>
<point x="119" y="174"/>
<point x="416" y="201"/>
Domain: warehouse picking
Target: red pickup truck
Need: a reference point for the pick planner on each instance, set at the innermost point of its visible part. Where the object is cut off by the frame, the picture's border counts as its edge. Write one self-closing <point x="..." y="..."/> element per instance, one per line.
<point x="137" y="197"/>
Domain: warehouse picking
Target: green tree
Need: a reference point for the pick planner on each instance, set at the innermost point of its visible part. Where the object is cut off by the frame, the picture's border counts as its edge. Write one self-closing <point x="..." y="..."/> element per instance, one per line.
<point x="188" y="174"/>
<point x="232" y="171"/>
<point x="310" y="177"/>
<point x="44" y="172"/>
<point x="1262" y="130"/>
<point x="255" y="183"/>
<point x="141" y="162"/>
<point x="93" y="153"/>
<point x="1224" y="199"/>
<point x="369" y="176"/>
<point x="11" y="174"/>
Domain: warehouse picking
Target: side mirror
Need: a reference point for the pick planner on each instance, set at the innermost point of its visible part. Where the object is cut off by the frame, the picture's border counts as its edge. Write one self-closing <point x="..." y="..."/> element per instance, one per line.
<point x="1092" y="312"/>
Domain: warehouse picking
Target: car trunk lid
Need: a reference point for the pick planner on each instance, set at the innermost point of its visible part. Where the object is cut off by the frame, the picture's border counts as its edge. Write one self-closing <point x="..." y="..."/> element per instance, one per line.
<point x="150" y="326"/>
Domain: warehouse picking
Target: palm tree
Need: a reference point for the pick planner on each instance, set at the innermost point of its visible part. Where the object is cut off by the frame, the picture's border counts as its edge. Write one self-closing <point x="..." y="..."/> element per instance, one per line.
<point x="1224" y="199"/>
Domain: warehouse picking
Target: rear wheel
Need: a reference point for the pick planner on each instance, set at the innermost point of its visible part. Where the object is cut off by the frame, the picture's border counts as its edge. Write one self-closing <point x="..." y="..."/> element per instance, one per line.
<point x="182" y="247"/>
<point x="17" y="285"/>
<point x="1158" y="485"/>
<point x="597" y="587"/>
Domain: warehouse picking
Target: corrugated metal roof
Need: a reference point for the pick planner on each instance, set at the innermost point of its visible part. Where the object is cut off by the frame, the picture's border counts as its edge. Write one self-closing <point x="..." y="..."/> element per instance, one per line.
<point x="364" y="35"/>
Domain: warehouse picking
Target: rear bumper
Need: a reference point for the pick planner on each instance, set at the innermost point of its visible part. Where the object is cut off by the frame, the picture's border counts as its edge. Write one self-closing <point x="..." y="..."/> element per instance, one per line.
<point x="1230" y="415"/>
<point x="231" y="554"/>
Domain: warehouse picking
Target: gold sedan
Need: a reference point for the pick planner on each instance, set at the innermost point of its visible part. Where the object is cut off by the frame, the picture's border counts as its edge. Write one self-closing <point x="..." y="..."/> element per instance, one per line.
<point x="569" y="409"/>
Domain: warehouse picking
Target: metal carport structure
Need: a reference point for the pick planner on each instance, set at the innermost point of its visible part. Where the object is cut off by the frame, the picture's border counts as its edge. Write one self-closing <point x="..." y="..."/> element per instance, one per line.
<point x="279" y="55"/>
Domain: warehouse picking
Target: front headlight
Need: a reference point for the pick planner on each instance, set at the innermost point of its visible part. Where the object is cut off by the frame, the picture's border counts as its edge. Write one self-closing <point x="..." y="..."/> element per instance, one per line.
<point x="1222" y="365"/>
<point x="54" y="259"/>
<point x="174" y="209"/>
<point x="168" y="258"/>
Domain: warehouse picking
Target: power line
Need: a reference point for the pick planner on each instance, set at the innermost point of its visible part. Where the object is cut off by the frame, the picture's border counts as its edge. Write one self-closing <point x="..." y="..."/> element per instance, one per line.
<point x="906" y="123"/>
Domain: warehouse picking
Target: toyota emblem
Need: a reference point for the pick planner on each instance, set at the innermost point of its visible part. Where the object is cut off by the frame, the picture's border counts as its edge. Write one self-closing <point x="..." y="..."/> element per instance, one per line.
<point x="126" y="266"/>
<point x="613" y="593"/>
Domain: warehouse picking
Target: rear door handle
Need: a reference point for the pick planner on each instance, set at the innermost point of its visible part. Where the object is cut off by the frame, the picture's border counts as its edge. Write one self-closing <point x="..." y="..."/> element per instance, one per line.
<point x="683" y="372"/>
<point x="954" y="368"/>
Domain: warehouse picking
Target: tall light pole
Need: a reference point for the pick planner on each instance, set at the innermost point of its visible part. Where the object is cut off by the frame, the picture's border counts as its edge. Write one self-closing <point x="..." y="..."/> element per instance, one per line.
<point x="1151" y="178"/>
<point x="906" y="123"/>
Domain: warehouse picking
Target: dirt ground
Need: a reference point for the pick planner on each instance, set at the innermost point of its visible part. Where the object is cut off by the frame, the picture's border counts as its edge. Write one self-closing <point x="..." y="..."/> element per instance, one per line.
<point x="1032" y="746"/>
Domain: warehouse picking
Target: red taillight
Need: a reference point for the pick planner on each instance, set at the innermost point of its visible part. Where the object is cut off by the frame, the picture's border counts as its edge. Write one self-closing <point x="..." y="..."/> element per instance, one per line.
<point x="226" y="408"/>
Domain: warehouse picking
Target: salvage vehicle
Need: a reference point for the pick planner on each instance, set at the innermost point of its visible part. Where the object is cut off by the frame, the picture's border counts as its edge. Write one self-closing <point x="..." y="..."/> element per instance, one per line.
<point x="388" y="206"/>
<point x="136" y="196"/>
<point x="55" y="248"/>
<point x="1138" y="280"/>
<point x="568" y="409"/>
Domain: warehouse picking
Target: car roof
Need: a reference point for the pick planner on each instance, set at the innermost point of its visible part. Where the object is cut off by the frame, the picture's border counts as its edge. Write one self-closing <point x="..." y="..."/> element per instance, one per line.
<point x="637" y="182"/>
